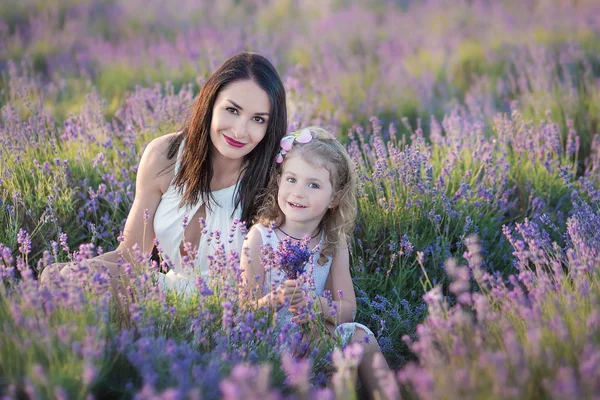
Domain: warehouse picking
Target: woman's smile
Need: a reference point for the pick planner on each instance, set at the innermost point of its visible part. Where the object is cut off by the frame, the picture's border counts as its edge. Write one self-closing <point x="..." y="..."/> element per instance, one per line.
<point x="233" y="142"/>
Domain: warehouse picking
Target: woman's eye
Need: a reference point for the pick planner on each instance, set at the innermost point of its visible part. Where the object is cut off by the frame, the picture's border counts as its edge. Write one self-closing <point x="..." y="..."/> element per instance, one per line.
<point x="260" y="120"/>
<point x="232" y="110"/>
<point x="313" y="186"/>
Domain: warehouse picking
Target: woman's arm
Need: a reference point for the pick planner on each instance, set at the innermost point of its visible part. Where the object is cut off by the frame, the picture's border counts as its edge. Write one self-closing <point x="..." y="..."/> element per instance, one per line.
<point x="253" y="277"/>
<point x="150" y="186"/>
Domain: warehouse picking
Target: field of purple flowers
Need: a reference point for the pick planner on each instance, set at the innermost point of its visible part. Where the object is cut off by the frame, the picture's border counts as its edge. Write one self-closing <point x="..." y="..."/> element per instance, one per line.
<point x="474" y="128"/>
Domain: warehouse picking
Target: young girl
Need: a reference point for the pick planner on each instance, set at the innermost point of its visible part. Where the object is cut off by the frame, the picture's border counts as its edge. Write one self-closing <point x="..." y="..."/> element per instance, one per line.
<point x="311" y="194"/>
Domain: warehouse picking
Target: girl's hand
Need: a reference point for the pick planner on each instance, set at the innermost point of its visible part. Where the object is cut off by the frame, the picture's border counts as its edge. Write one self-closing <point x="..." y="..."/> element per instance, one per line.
<point x="300" y="318"/>
<point x="301" y="310"/>
<point x="298" y="306"/>
<point x="289" y="292"/>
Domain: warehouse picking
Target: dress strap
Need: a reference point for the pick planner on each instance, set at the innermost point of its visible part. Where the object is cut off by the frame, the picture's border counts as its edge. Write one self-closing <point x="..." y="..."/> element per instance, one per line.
<point x="266" y="234"/>
<point x="178" y="162"/>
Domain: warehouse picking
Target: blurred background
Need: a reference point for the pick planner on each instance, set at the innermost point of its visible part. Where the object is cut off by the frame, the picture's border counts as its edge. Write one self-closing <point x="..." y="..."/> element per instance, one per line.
<point x="343" y="61"/>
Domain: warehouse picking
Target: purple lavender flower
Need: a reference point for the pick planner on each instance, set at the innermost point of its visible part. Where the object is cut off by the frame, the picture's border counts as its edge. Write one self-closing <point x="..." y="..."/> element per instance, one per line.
<point x="297" y="372"/>
<point x="24" y="240"/>
<point x="292" y="255"/>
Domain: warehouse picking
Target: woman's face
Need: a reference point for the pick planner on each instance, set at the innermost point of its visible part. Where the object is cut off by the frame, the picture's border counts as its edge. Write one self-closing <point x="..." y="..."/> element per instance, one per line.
<point x="240" y="118"/>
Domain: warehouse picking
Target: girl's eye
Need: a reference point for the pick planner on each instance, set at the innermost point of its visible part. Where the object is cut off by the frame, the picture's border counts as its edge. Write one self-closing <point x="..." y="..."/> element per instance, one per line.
<point x="291" y="180"/>
<point x="232" y="110"/>
<point x="313" y="186"/>
<point x="260" y="120"/>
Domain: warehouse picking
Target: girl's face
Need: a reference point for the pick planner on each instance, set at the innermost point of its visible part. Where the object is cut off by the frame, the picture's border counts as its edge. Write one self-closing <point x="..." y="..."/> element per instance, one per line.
<point x="239" y="119"/>
<point x="305" y="191"/>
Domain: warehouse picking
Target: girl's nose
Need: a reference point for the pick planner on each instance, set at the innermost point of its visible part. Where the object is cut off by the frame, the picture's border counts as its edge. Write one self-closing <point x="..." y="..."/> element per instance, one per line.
<point x="298" y="192"/>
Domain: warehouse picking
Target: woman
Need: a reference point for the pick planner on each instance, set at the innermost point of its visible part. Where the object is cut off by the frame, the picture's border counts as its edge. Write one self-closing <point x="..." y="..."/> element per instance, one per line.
<point x="213" y="170"/>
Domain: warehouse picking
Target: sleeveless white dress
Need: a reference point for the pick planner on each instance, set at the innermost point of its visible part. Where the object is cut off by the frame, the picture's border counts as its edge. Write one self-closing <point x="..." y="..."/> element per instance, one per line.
<point x="169" y="226"/>
<point x="319" y="274"/>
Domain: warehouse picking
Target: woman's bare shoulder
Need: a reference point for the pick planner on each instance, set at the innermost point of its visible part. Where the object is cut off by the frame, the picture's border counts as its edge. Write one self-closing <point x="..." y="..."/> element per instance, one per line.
<point x="155" y="163"/>
<point x="160" y="145"/>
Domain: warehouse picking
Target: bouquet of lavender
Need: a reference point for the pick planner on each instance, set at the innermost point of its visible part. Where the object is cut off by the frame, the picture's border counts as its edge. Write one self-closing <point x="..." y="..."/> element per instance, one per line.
<point x="291" y="256"/>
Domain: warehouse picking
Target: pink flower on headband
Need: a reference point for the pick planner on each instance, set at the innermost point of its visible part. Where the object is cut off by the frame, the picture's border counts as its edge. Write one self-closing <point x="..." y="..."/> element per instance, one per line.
<point x="288" y="142"/>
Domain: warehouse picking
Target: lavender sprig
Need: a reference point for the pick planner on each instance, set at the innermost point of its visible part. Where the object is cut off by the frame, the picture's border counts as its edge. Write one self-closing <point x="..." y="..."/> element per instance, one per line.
<point x="292" y="255"/>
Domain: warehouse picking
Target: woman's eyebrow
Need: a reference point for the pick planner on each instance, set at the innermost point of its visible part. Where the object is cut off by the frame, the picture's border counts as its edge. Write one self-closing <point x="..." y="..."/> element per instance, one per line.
<point x="236" y="105"/>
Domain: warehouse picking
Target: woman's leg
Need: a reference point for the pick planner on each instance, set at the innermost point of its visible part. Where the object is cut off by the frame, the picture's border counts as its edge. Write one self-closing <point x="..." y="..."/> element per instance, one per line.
<point x="119" y="281"/>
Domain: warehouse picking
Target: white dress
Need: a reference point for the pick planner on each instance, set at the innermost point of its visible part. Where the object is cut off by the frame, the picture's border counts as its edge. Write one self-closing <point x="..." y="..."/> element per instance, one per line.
<point x="170" y="221"/>
<point x="319" y="274"/>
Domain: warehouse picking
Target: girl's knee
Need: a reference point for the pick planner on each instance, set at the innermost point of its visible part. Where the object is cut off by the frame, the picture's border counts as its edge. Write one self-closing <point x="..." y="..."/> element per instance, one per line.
<point x="365" y="338"/>
<point x="68" y="270"/>
<point x="50" y="272"/>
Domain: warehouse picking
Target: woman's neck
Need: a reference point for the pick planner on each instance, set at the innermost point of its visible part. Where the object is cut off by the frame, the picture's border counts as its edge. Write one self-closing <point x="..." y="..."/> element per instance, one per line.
<point x="226" y="172"/>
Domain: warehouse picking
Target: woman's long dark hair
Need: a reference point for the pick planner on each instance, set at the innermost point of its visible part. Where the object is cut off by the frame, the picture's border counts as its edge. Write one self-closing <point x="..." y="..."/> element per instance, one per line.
<point x="195" y="170"/>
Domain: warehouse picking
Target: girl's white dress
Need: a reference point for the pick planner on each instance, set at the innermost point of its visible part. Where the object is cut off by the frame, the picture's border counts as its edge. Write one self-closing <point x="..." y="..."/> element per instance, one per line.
<point x="169" y="230"/>
<point x="274" y="276"/>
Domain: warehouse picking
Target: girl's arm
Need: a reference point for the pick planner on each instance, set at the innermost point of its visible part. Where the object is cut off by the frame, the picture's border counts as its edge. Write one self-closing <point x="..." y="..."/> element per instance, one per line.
<point x="253" y="273"/>
<point x="253" y="276"/>
<point x="339" y="283"/>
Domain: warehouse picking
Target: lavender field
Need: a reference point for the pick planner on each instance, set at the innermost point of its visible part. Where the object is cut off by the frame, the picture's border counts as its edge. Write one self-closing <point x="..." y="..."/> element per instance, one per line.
<point x="474" y="126"/>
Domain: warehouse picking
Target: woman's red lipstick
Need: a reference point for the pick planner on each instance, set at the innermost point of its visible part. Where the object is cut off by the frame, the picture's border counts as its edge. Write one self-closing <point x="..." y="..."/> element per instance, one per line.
<point x="233" y="143"/>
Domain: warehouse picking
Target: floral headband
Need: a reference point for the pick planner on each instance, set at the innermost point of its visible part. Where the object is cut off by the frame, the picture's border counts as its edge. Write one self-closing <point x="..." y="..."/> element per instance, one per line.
<point x="287" y="142"/>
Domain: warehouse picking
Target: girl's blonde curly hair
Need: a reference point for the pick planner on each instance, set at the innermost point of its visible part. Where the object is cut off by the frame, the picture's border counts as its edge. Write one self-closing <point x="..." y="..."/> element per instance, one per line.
<point x="324" y="150"/>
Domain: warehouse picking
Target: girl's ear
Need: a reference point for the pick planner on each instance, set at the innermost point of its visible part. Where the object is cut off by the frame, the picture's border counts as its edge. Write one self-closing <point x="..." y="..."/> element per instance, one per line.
<point x="335" y="199"/>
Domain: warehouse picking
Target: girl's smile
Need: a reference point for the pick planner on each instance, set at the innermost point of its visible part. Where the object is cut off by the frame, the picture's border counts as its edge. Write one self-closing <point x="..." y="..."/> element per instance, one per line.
<point x="305" y="193"/>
